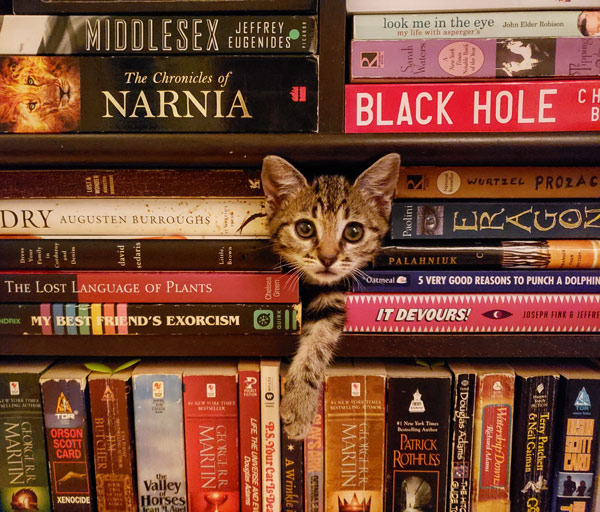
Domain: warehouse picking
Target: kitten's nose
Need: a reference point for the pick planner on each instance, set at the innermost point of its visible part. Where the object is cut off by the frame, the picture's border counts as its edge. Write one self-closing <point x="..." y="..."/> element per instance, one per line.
<point x="328" y="259"/>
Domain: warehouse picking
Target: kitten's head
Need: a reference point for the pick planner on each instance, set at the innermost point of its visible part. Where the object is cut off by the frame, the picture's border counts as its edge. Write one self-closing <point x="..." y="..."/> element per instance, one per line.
<point x="328" y="229"/>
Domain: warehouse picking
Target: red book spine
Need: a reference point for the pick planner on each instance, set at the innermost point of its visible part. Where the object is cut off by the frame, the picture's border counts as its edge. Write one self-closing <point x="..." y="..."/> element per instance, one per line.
<point x="499" y="106"/>
<point x="148" y="287"/>
<point x="249" y="411"/>
<point x="211" y="439"/>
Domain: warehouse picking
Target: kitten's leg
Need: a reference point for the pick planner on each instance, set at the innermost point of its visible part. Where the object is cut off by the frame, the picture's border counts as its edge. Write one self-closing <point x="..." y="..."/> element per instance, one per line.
<point x="324" y="319"/>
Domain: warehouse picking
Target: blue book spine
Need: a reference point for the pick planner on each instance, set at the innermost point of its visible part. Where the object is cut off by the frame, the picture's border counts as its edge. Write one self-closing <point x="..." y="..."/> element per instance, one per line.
<point x="475" y="281"/>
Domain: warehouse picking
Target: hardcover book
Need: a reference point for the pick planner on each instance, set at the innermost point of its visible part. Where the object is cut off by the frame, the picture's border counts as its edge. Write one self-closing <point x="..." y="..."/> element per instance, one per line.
<point x="406" y="6"/>
<point x="536" y="391"/>
<point x="157" y="35"/>
<point x="270" y="428"/>
<point x="128" y="183"/>
<point x="430" y="182"/>
<point x="149" y="287"/>
<point x="159" y="319"/>
<point x="492" y="437"/>
<point x="149" y="254"/>
<point x="210" y="409"/>
<point x="250" y="435"/>
<point x="417" y="437"/>
<point x="314" y="459"/>
<point x="474" y="106"/>
<point x="354" y="405"/>
<point x="462" y="419"/>
<point x="159" y="94"/>
<point x="111" y="411"/>
<point x="576" y="438"/>
<point x="114" y="217"/>
<point x="68" y="437"/>
<point x="477" y="281"/>
<point x="159" y="439"/>
<point x="512" y="254"/>
<point x="129" y="6"/>
<point x="458" y="59"/>
<point x="23" y="462"/>
<point x="484" y="312"/>
<point x="495" y="219"/>
<point x="442" y="25"/>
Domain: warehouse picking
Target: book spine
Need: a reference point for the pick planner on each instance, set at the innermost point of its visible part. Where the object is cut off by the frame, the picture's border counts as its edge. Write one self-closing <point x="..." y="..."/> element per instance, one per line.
<point x="211" y="439"/>
<point x="417" y="437"/>
<point x="292" y="469"/>
<point x="129" y="6"/>
<point x="405" y="6"/>
<point x="492" y="442"/>
<point x="396" y="312"/>
<point x="149" y="287"/>
<point x="461" y="448"/>
<point x="137" y="254"/>
<point x="159" y="442"/>
<point x="23" y="461"/>
<point x="431" y="182"/>
<point x="535" y="417"/>
<point x="577" y="445"/>
<point x="80" y="183"/>
<point x="66" y="424"/>
<point x="514" y="254"/>
<point x="354" y="408"/>
<point x="486" y="281"/>
<point x="499" y="106"/>
<point x="157" y="319"/>
<point x="473" y="58"/>
<point x="152" y="217"/>
<point x="157" y="35"/>
<point x="250" y="440"/>
<point x="112" y="439"/>
<point x="442" y="25"/>
<point x="314" y="459"/>
<point x="505" y="220"/>
<point x="270" y="436"/>
<point x="216" y="94"/>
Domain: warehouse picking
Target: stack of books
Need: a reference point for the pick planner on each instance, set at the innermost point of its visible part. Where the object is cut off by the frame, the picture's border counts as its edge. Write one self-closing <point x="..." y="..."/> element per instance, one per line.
<point x="481" y="67"/>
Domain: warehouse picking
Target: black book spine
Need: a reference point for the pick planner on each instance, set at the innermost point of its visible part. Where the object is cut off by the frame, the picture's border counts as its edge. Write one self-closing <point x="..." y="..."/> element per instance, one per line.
<point x="292" y="473"/>
<point x="532" y="442"/>
<point x="137" y="254"/>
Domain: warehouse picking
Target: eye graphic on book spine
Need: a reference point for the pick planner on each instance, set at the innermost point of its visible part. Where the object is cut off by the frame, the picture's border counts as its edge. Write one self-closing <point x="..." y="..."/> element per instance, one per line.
<point x="497" y="314"/>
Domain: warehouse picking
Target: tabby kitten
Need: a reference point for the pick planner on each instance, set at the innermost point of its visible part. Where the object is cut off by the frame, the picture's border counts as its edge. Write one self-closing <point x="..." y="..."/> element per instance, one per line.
<point x="325" y="231"/>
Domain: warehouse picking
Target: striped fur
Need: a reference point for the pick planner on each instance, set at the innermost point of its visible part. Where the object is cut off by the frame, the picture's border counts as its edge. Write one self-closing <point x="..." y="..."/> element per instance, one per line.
<point x="326" y="231"/>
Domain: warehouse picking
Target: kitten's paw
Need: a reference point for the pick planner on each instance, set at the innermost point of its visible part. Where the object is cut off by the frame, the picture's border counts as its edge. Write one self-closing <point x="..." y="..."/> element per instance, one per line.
<point x="298" y="408"/>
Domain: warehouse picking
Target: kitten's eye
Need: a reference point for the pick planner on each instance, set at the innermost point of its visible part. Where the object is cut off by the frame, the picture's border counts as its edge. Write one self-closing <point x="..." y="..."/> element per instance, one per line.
<point x="31" y="106"/>
<point x="305" y="228"/>
<point x="30" y="81"/>
<point x="353" y="232"/>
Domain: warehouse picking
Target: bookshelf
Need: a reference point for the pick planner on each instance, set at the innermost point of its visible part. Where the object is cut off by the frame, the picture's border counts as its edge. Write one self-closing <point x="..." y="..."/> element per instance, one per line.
<point x="328" y="150"/>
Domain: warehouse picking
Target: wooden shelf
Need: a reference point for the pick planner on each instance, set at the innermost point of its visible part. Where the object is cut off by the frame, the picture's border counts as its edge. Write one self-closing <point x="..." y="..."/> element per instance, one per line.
<point x="355" y="345"/>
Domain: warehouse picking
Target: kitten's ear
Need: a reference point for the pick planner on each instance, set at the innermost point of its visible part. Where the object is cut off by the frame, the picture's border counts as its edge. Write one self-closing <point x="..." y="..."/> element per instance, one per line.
<point x="280" y="179"/>
<point x="378" y="183"/>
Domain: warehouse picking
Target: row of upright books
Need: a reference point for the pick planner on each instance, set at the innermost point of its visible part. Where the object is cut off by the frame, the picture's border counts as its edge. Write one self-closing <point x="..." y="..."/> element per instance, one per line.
<point x="460" y="67"/>
<point x="204" y="435"/>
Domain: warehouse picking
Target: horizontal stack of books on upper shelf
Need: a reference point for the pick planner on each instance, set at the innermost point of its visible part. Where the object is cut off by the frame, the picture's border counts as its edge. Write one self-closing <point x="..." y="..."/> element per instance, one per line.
<point x="147" y="66"/>
<point x="465" y="66"/>
<point x="204" y="435"/>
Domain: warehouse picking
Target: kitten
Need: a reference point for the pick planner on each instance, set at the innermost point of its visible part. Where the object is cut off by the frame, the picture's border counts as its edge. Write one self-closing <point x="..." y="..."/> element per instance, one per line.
<point x="325" y="231"/>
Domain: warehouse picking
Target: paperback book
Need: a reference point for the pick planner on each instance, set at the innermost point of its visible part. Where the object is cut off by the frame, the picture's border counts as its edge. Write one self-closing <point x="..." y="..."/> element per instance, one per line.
<point x="270" y="429"/>
<point x="24" y="481"/>
<point x="157" y="35"/>
<point x="68" y="437"/>
<point x="406" y="6"/>
<point x="462" y="59"/>
<point x="159" y="94"/>
<point x="473" y="106"/>
<point x="505" y="24"/>
<point x="158" y="319"/>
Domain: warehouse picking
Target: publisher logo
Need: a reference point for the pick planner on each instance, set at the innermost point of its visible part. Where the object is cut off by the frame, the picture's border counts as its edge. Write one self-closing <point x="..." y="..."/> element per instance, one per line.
<point x="355" y="389"/>
<point x="263" y="319"/>
<point x="158" y="390"/>
<point x="416" y="405"/>
<point x="14" y="388"/>
<point x="211" y="390"/>
<point x="583" y="402"/>
<point x="64" y="411"/>
<point x="415" y="182"/>
<point x="298" y="94"/>
<point x="371" y="59"/>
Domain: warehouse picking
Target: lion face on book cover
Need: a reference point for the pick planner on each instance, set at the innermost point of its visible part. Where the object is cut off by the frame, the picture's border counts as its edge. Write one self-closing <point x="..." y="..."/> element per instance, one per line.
<point x="39" y="94"/>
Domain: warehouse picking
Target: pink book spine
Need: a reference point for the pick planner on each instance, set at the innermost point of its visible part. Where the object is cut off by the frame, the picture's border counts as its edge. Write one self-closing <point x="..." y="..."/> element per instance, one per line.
<point x="472" y="312"/>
